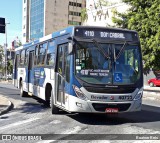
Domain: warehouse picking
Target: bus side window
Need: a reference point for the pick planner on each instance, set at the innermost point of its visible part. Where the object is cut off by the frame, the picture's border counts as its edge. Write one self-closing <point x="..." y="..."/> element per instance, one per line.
<point x="22" y="57"/>
<point x="60" y="59"/>
<point x="66" y="63"/>
<point x="26" y="58"/>
<point x="50" y="54"/>
<point x="36" y="55"/>
<point x="41" y="54"/>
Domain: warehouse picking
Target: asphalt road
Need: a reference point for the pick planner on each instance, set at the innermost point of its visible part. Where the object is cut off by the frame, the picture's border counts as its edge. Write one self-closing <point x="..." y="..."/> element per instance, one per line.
<point x="29" y="116"/>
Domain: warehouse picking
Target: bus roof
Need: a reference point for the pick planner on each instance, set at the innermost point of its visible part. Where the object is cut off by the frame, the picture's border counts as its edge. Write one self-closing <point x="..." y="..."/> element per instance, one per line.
<point x="68" y="30"/>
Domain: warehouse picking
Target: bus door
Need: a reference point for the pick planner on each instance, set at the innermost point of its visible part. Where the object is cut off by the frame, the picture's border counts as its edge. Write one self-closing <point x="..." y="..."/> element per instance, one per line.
<point x="30" y="71"/>
<point x="16" y="70"/>
<point x="61" y="74"/>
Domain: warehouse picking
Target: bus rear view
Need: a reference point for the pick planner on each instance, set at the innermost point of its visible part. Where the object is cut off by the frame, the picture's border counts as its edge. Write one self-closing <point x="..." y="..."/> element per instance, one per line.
<point x="107" y="73"/>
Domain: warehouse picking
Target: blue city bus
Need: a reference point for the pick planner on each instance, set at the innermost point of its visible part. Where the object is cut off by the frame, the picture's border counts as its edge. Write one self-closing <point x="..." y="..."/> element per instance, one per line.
<point x="83" y="69"/>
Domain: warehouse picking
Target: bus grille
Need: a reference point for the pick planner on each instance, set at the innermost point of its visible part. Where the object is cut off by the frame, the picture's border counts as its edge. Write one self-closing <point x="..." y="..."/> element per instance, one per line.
<point x="102" y="107"/>
<point x="110" y="90"/>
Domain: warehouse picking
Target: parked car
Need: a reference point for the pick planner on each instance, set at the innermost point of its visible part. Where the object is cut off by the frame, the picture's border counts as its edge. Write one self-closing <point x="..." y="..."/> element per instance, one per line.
<point x="154" y="82"/>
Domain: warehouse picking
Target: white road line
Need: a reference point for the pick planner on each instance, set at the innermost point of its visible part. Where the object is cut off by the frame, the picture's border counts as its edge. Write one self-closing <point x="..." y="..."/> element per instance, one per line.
<point x="18" y="123"/>
<point x="46" y="141"/>
<point x="55" y="122"/>
<point x="100" y="141"/>
<point x="73" y="130"/>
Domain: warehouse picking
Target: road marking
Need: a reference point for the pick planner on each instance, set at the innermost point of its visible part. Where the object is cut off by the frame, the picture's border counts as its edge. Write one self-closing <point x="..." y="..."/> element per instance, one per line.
<point x="55" y="122"/>
<point x="100" y="141"/>
<point x="73" y="130"/>
<point x="18" y="123"/>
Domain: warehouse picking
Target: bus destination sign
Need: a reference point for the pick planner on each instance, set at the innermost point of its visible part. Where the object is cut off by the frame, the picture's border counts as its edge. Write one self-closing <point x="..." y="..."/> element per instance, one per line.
<point x="106" y="34"/>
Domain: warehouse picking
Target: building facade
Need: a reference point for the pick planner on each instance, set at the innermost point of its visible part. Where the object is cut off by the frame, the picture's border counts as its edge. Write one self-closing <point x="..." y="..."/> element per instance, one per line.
<point x="42" y="17"/>
<point x="100" y="14"/>
<point x="25" y="21"/>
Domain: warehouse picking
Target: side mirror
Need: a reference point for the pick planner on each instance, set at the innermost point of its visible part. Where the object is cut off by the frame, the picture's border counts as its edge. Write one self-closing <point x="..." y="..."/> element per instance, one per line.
<point x="70" y="47"/>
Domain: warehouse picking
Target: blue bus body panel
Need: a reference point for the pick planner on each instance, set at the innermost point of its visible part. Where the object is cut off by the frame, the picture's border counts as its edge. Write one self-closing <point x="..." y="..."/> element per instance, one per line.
<point x="73" y="79"/>
<point x="63" y="32"/>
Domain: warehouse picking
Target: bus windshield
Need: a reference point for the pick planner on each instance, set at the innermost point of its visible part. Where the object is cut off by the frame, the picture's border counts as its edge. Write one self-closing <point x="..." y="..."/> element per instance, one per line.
<point x="107" y="63"/>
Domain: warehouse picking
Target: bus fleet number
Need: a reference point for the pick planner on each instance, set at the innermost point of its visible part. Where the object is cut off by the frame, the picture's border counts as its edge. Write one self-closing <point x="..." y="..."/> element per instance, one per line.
<point x="89" y="33"/>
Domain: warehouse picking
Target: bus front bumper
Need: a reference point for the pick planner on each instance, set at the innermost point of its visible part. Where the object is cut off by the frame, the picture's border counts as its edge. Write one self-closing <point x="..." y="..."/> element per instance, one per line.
<point x="78" y="105"/>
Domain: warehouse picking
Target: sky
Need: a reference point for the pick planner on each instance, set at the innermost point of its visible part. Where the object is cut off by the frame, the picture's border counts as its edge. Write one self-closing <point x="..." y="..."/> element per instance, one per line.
<point x="11" y="10"/>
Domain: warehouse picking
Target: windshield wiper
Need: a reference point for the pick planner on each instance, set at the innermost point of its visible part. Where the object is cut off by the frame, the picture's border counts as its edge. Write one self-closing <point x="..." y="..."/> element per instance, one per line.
<point x="120" y="52"/>
<point x="101" y="49"/>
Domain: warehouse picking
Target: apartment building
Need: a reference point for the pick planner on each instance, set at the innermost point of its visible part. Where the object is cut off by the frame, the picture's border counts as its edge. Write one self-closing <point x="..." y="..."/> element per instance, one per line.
<point x="42" y="17"/>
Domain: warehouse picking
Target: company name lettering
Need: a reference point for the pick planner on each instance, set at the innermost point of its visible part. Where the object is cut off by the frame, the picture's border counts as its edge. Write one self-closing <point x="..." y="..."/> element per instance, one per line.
<point x="98" y="97"/>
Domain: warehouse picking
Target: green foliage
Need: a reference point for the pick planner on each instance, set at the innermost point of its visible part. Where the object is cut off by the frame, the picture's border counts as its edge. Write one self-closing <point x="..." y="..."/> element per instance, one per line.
<point x="84" y="15"/>
<point x="144" y="17"/>
<point x="1" y="58"/>
<point x="9" y="66"/>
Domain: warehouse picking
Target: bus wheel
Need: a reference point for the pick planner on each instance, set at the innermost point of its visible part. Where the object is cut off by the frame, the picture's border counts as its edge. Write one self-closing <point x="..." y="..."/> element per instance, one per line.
<point x="54" y="109"/>
<point x="22" y="93"/>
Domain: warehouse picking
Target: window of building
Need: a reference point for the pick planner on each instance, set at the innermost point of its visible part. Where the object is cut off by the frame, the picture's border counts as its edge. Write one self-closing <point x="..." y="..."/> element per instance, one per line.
<point x="24" y="18"/>
<point x="24" y="34"/>
<point x="75" y="4"/>
<point x="74" y="23"/>
<point x="74" y="13"/>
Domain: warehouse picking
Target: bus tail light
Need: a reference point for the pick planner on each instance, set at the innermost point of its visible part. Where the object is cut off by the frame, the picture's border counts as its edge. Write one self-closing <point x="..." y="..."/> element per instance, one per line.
<point x="139" y="94"/>
<point x="79" y="93"/>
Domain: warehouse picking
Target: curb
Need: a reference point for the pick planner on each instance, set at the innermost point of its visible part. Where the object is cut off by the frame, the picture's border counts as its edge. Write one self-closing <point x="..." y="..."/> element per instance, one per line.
<point x="8" y="108"/>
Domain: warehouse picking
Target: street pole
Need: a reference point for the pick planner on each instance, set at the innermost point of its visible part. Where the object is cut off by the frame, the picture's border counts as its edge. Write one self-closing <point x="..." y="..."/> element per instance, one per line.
<point x="6" y="49"/>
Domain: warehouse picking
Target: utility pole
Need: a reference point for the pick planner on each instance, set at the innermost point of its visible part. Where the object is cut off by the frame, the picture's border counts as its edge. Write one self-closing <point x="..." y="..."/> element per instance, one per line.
<point x="6" y="50"/>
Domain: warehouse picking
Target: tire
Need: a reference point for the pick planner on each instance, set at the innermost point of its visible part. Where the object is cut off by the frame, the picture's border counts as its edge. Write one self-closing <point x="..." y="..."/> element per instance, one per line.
<point x="22" y="93"/>
<point x="151" y="84"/>
<point x="54" y="109"/>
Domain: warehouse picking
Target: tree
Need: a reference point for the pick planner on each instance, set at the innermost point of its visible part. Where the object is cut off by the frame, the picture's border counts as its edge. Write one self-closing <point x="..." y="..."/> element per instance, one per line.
<point x="19" y="43"/>
<point x="144" y="17"/>
<point x="9" y="66"/>
<point x="84" y="15"/>
<point x="1" y="58"/>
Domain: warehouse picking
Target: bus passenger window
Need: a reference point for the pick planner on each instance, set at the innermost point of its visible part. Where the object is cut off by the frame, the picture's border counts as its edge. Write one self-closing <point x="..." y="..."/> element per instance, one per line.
<point x="66" y="63"/>
<point x="22" y="58"/>
<point x="41" y="54"/>
<point x="50" y="54"/>
<point x="36" y="55"/>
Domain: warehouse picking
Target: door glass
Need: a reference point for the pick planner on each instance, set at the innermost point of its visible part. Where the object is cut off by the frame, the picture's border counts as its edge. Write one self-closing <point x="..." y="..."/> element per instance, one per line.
<point x="63" y="71"/>
<point x="60" y="60"/>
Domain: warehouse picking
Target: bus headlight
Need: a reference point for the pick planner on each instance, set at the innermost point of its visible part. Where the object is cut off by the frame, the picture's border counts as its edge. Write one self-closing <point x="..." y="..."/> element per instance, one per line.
<point x="79" y="93"/>
<point x="139" y="94"/>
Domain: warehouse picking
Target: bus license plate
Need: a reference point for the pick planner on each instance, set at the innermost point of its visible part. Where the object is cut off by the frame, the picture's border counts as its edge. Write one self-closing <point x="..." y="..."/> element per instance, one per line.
<point x="111" y="110"/>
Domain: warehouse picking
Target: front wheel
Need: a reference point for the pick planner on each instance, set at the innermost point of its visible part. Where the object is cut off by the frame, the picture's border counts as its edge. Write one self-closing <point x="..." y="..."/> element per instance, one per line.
<point x="54" y="109"/>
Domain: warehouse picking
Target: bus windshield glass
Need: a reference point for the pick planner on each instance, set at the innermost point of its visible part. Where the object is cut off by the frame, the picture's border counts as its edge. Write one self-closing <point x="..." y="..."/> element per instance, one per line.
<point x="107" y="63"/>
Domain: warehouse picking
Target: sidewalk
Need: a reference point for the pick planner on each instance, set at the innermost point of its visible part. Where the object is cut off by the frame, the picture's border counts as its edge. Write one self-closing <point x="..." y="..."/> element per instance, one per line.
<point x="153" y="89"/>
<point x="152" y="93"/>
<point x="5" y="105"/>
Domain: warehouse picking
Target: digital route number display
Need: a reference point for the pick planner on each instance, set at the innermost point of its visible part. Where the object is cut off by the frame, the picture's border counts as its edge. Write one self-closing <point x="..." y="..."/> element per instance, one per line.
<point x="102" y="33"/>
